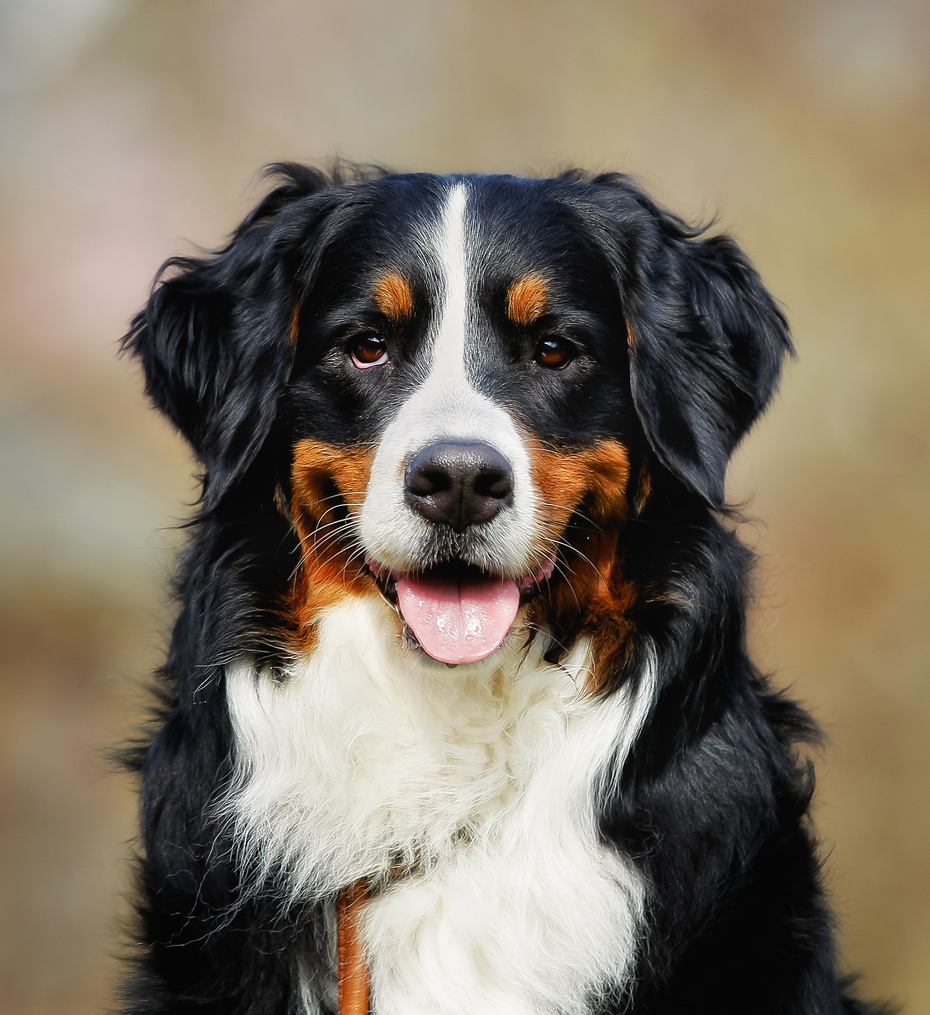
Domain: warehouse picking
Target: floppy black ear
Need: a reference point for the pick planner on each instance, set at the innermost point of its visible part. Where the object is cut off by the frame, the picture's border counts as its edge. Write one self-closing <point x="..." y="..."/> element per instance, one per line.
<point x="706" y="347"/>
<point x="216" y="339"/>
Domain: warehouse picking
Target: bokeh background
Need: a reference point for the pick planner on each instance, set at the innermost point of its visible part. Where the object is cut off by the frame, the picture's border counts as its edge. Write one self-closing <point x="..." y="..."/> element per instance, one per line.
<point x="133" y="128"/>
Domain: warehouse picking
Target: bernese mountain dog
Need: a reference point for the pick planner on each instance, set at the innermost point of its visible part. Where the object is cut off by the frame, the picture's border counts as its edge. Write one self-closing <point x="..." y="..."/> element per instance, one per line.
<point x="457" y="716"/>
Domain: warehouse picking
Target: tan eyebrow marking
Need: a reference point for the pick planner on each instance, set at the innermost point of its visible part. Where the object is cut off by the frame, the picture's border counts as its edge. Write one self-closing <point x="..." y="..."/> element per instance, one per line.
<point x="527" y="298"/>
<point x="394" y="296"/>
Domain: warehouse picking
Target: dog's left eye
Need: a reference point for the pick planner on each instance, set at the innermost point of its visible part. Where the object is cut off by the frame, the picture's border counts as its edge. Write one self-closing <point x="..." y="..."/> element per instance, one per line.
<point x="554" y="353"/>
<point x="367" y="351"/>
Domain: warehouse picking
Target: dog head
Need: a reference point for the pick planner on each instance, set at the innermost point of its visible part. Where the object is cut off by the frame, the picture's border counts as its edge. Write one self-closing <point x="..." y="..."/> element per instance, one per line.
<point x="462" y="391"/>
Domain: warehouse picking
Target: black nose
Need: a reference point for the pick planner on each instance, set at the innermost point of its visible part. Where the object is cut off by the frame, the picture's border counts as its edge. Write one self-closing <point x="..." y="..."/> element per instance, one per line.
<point x="458" y="484"/>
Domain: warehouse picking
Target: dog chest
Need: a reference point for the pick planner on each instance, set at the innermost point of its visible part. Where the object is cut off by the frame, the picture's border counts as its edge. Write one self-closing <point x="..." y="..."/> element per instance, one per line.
<point x="365" y="758"/>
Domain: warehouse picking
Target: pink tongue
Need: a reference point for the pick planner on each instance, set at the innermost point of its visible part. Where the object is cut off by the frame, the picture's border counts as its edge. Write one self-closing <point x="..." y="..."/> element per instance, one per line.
<point x="458" y="621"/>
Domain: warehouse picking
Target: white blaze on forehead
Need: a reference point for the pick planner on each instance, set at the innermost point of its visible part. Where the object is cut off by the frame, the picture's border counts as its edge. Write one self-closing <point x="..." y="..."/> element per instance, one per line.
<point x="447" y="407"/>
<point x="448" y="349"/>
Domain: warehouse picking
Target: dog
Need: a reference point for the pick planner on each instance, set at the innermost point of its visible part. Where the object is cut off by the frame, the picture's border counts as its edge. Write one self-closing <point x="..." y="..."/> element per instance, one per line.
<point x="457" y="715"/>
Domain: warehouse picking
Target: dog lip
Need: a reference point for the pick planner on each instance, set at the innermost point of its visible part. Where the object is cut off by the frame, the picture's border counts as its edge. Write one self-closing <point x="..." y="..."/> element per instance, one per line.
<point x="541" y="574"/>
<point x="378" y="570"/>
<point x="387" y="578"/>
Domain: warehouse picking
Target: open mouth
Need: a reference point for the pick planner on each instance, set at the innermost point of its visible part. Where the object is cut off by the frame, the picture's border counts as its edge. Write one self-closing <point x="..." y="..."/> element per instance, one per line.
<point x="456" y="612"/>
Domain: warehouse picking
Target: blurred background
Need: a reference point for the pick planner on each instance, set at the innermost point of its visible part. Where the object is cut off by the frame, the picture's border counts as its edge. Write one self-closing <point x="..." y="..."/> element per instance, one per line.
<point x="132" y="129"/>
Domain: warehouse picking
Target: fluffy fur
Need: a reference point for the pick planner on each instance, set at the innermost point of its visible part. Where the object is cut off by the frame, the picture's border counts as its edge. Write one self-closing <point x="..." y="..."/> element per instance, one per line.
<point x="604" y="813"/>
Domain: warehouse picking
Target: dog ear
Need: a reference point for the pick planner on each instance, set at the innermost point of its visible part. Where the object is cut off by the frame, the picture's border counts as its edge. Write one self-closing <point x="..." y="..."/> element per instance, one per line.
<point x="217" y="337"/>
<point x="706" y="346"/>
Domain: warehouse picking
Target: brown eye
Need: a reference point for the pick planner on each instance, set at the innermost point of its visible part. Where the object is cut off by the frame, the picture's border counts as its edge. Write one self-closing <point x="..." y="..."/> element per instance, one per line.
<point x="368" y="351"/>
<point x="554" y="353"/>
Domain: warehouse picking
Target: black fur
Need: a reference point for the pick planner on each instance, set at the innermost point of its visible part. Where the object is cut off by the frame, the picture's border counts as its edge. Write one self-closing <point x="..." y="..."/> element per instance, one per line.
<point x="712" y="802"/>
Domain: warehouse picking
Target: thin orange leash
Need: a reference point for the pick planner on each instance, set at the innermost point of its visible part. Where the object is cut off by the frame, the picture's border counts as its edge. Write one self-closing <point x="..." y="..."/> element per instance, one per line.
<point x="354" y="988"/>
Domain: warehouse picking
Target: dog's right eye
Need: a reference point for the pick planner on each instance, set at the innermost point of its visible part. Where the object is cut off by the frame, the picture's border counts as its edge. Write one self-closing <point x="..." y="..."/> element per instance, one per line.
<point x="554" y="352"/>
<point x="367" y="351"/>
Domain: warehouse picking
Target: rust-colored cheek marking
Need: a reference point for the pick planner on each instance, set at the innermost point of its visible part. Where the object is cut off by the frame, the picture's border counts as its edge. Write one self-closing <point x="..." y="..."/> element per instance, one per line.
<point x="598" y="474"/>
<point x="394" y="297"/>
<point x="294" y="331"/>
<point x="527" y="298"/>
<point x="328" y="485"/>
<point x="590" y="592"/>
<point x="630" y="337"/>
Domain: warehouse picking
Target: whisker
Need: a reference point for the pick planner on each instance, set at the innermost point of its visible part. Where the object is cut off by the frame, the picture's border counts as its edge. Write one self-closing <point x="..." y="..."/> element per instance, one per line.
<point x="570" y="546"/>
<point x="564" y="573"/>
<point x="576" y="512"/>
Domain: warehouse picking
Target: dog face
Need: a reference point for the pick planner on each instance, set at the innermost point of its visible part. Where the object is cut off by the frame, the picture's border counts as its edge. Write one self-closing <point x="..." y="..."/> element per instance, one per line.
<point x="464" y="352"/>
<point x="461" y="390"/>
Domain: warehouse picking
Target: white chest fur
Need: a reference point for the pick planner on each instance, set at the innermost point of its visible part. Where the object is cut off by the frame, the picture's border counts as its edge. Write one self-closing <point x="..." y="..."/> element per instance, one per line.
<point x="480" y="778"/>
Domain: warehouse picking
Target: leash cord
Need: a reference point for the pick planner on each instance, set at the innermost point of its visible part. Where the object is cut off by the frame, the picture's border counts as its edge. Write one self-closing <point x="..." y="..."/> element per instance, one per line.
<point x="354" y="986"/>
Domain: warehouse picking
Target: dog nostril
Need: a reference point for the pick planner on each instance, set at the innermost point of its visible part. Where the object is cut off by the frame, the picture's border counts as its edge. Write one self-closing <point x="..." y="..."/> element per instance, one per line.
<point x="423" y="481"/>
<point x="458" y="484"/>
<point x="494" y="483"/>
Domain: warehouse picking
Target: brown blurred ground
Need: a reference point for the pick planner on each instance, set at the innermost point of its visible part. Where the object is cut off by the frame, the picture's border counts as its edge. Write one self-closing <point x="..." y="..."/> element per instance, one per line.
<point x="128" y="127"/>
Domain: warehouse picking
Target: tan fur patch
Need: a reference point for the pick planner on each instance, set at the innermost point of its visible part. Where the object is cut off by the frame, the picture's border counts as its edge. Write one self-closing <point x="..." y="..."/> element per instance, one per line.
<point x="645" y="488"/>
<point x="294" y="332"/>
<point x="527" y="298"/>
<point x="589" y="590"/>
<point x="326" y="482"/>
<point x="394" y="297"/>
